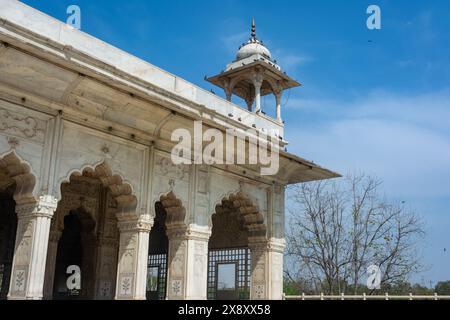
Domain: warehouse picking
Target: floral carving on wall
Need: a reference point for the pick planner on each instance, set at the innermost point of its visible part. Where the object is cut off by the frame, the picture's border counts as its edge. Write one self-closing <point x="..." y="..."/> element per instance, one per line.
<point x="22" y="126"/>
<point x="176" y="287"/>
<point x="167" y="168"/>
<point x="126" y="285"/>
<point x="259" y="291"/>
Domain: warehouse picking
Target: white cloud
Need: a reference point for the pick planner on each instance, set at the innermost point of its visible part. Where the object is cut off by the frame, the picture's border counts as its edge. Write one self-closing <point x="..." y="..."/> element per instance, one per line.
<point x="292" y="60"/>
<point x="402" y="139"/>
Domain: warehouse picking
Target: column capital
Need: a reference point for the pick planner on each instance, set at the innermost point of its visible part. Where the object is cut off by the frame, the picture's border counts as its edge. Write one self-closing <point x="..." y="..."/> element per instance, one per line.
<point x="263" y="244"/>
<point x="257" y="77"/>
<point x="277" y="88"/>
<point x="44" y="207"/>
<point x="195" y="232"/>
<point x="190" y="232"/>
<point x="276" y="245"/>
<point x="47" y="205"/>
<point x="140" y="224"/>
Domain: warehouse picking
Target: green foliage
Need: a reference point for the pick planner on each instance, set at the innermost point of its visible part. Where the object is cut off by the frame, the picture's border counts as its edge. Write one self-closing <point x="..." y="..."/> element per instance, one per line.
<point x="443" y="288"/>
<point x="299" y="286"/>
<point x="291" y="288"/>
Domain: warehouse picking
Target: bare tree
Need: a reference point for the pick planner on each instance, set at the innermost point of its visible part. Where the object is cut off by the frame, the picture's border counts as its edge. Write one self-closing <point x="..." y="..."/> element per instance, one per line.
<point x="337" y="229"/>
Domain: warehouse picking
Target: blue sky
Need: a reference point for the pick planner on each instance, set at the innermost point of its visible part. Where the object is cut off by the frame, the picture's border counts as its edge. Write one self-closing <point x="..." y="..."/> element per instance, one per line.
<point x="373" y="101"/>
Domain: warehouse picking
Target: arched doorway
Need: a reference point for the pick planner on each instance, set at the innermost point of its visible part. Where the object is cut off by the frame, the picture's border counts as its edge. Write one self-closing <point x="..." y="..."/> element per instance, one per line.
<point x="8" y="228"/>
<point x="236" y="223"/>
<point x="157" y="256"/>
<point x="229" y="257"/>
<point x="84" y="234"/>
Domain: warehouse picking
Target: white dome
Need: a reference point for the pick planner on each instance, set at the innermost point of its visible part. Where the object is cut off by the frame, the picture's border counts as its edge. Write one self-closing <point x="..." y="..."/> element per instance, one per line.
<point x="252" y="47"/>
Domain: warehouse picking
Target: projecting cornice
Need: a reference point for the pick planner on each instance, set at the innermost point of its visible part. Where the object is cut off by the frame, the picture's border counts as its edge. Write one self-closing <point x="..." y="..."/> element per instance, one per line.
<point x="50" y="67"/>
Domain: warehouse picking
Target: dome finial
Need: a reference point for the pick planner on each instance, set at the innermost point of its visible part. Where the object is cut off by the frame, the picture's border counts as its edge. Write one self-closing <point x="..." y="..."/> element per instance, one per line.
<point x="253" y="28"/>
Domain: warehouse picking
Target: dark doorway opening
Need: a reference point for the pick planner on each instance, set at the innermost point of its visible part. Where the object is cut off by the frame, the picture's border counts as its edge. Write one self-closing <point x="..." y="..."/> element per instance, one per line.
<point x="8" y="229"/>
<point x="75" y="248"/>
<point x="157" y="256"/>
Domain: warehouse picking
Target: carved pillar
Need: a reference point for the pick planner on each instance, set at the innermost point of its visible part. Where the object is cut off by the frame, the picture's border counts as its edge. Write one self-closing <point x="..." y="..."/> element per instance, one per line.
<point x="132" y="262"/>
<point x="249" y="99"/>
<point x="257" y="79"/>
<point x="52" y="251"/>
<point x="28" y="270"/>
<point x="187" y="272"/>
<point x="267" y="269"/>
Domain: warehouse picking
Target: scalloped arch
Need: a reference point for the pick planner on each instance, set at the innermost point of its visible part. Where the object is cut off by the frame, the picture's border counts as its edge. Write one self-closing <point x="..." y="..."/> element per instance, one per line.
<point x="176" y="212"/>
<point x="248" y="212"/>
<point x="20" y="172"/>
<point x="121" y="191"/>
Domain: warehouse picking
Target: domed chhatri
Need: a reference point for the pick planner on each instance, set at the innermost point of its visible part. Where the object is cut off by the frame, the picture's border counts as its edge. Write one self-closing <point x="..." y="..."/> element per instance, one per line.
<point x="253" y="46"/>
<point x="254" y="74"/>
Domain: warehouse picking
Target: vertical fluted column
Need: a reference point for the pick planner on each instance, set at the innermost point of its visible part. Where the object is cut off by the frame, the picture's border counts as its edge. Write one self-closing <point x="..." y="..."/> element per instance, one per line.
<point x="33" y="228"/>
<point x="187" y="274"/>
<point x="257" y="79"/>
<point x="132" y="262"/>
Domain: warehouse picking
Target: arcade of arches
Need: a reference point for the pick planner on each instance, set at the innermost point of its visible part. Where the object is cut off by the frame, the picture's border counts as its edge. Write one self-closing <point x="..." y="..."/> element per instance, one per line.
<point x="120" y="255"/>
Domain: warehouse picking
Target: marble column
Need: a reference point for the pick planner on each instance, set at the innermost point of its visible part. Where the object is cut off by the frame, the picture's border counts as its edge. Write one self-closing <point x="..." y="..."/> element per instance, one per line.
<point x="257" y="79"/>
<point x="278" y="105"/>
<point x="132" y="262"/>
<point x="187" y="274"/>
<point x="267" y="269"/>
<point x="30" y="254"/>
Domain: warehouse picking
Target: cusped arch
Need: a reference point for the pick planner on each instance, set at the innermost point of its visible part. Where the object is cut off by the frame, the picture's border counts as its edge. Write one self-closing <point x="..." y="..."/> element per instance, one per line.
<point x="176" y="212"/>
<point x="18" y="172"/>
<point x="121" y="191"/>
<point x="235" y="81"/>
<point x="272" y="84"/>
<point x="248" y="213"/>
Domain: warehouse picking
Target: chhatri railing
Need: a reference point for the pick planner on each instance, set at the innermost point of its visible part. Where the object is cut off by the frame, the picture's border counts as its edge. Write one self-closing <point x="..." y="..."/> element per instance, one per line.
<point x="366" y="297"/>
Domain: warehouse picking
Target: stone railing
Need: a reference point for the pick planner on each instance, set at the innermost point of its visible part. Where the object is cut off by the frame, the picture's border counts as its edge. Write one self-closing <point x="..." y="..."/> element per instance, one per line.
<point x="366" y="297"/>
